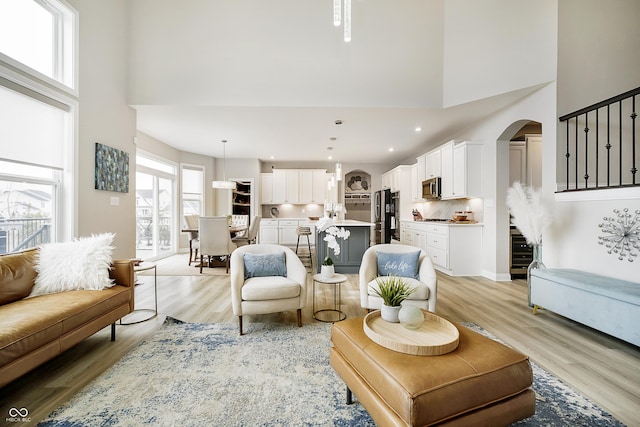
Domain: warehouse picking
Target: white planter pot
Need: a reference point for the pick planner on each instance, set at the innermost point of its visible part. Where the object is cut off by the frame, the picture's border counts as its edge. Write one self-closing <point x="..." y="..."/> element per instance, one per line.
<point x="327" y="271"/>
<point x="390" y="314"/>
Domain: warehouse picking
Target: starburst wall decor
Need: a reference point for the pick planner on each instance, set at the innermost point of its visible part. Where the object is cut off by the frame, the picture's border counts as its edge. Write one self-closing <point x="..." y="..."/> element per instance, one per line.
<point x="621" y="234"/>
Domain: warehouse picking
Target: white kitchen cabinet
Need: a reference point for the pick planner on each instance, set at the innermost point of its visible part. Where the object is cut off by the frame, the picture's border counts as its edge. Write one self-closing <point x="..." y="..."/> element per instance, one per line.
<point x="266" y="188"/>
<point x="421" y="168"/>
<point x="298" y="186"/>
<point x="268" y="231"/>
<point x="446" y="155"/>
<point x="414" y="234"/>
<point x="319" y="186"/>
<point x="287" y="234"/>
<point x="416" y="184"/>
<point x="455" y="249"/>
<point x="285" y="186"/>
<point x="467" y="170"/>
<point x="387" y="180"/>
<point x="461" y="170"/>
<point x="305" y="190"/>
<point x="433" y="164"/>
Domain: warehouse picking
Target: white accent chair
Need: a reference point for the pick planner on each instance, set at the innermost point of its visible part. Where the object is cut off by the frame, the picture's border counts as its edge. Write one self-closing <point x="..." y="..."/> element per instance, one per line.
<point x="426" y="293"/>
<point x="215" y="239"/>
<point x="272" y="294"/>
<point x="252" y="235"/>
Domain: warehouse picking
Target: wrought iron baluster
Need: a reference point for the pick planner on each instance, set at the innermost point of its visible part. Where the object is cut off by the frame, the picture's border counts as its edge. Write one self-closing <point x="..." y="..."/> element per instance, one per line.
<point x="586" y="150"/>
<point x="633" y="140"/>
<point x="608" y="146"/>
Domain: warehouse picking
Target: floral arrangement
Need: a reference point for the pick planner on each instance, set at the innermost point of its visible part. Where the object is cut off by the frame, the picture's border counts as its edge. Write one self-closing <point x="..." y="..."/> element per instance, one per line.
<point x="529" y="213"/>
<point x="332" y="233"/>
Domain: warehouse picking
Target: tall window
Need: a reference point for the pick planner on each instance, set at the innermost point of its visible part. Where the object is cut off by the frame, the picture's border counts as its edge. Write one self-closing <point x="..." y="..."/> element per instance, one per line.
<point x="192" y="182"/>
<point x="37" y="141"/>
<point x="40" y="35"/>
<point x="155" y="207"/>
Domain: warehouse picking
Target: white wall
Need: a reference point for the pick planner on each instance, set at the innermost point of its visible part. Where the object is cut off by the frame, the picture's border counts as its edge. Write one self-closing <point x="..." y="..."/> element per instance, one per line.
<point x="598" y="59"/>
<point x="497" y="46"/>
<point x="495" y="133"/>
<point x="104" y="117"/>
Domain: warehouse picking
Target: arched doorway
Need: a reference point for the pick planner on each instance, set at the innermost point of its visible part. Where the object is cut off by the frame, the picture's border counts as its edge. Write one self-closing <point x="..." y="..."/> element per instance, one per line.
<point x="519" y="157"/>
<point x="357" y="195"/>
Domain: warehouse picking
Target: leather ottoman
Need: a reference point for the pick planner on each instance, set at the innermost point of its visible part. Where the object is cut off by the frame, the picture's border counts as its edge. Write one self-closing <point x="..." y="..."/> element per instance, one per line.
<point x="480" y="383"/>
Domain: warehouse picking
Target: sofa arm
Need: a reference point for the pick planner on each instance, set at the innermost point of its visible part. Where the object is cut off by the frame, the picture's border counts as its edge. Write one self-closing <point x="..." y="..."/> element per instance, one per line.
<point x="122" y="272"/>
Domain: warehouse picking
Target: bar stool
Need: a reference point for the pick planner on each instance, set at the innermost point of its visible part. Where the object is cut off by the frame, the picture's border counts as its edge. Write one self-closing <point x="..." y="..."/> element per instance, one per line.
<point x="304" y="231"/>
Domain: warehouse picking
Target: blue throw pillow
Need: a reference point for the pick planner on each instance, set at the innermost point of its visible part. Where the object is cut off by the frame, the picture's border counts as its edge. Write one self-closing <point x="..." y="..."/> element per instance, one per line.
<point x="262" y="265"/>
<point x="398" y="264"/>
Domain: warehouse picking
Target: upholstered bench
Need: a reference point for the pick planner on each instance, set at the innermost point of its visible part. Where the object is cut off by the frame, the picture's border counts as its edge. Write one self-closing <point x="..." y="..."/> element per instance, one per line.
<point x="480" y="383"/>
<point x="603" y="303"/>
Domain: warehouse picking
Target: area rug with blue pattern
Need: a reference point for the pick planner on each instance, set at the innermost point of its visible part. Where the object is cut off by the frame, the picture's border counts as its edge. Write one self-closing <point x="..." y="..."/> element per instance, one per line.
<point x="191" y="374"/>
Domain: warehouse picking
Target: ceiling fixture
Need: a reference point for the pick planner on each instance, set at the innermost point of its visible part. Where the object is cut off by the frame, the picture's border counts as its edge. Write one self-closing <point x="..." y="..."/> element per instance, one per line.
<point x="224" y="184"/>
<point x="337" y="16"/>
<point x="338" y="165"/>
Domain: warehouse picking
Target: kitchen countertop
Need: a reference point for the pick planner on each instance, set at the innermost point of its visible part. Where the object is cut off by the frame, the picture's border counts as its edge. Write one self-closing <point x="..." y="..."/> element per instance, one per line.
<point x="448" y="223"/>
<point x="343" y="223"/>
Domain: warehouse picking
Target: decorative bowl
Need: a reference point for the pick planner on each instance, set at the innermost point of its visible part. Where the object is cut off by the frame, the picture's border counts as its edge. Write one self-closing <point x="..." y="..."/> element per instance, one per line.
<point x="314" y="218"/>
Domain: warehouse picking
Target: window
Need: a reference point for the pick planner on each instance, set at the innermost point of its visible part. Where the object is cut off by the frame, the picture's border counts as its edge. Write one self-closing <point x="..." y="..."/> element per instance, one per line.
<point x="39" y="34"/>
<point x="192" y="181"/>
<point x="34" y="157"/>
<point x="155" y="207"/>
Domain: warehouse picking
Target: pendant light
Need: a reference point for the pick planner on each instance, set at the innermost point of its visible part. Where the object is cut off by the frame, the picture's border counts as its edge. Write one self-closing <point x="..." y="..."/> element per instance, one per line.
<point x="224" y="184"/>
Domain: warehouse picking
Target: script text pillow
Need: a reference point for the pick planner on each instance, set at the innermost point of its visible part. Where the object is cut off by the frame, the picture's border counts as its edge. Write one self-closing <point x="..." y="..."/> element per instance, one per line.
<point x="398" y="264"/>
<point x="263" y="265"/>
<point x="81" y="264"/>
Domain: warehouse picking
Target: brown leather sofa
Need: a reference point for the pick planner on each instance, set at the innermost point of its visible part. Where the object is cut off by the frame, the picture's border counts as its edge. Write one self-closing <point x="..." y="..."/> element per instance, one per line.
<point x="34" y="330"/>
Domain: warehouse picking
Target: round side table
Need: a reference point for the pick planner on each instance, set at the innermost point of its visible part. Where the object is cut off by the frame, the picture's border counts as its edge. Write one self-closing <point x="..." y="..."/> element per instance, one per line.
<point x="329" y="314"/>
<point x="151" y="312"/>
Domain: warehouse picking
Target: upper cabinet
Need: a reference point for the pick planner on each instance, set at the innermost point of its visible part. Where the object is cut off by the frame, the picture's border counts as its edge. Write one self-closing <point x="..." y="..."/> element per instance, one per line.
<point x="295" y="186"/>
<point x="397" y="179"/>
<point x="266" y="188"/>
<point x="461" y="170"/>
<point x="433" y="164"/>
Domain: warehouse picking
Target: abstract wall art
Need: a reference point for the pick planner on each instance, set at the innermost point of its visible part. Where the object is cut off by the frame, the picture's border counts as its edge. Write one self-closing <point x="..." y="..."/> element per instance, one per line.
<point x="112" y="169"/>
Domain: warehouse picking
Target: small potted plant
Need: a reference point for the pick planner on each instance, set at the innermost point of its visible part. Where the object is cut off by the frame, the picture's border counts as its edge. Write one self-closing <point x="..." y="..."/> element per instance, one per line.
<point x="327" y="269"/>
<point x="393" y="290"/>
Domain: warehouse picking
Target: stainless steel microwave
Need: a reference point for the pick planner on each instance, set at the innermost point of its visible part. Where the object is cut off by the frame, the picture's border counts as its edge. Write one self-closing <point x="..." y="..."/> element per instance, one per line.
<point x="431" y="189"/>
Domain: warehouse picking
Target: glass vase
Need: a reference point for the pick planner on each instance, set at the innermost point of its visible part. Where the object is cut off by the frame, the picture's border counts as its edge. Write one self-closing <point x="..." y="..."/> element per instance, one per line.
<point x="535" y="264"/>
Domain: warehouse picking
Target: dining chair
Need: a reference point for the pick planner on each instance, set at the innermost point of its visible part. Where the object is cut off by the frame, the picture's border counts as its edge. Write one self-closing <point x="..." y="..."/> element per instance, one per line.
<point x="240" y="221"/>
<point x="215" y="239"/>
<point x="252" y="234"/>
<point x="194" y="245"/>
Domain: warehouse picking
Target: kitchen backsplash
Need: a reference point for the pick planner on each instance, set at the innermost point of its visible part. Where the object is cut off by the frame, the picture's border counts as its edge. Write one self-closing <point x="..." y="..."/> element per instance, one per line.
<point x="291" y="211"/>
<point x="446" y="208"/>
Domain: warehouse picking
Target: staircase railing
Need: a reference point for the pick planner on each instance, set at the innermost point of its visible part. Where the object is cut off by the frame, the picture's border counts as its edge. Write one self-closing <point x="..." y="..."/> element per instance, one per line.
<point x="601" y="146"/>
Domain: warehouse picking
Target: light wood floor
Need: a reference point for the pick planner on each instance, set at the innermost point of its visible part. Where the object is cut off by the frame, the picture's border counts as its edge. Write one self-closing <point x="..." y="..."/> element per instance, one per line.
<point x="603" y="368"/>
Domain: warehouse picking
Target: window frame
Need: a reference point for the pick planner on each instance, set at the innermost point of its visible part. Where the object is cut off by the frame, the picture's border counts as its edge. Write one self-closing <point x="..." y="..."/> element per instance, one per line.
<point x="64" y="50"/>
<point x="202" y="169"/>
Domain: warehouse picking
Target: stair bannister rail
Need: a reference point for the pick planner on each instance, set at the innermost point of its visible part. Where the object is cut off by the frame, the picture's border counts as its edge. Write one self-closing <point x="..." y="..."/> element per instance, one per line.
<point x="585" y="157"/>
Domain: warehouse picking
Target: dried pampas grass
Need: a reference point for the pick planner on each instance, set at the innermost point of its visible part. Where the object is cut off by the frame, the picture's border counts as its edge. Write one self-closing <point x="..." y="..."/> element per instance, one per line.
<point x="529" y="214"/>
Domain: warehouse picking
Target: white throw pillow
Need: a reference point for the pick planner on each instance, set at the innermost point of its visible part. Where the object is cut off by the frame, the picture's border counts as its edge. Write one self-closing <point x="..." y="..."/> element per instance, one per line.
<point x="81" y="264"/>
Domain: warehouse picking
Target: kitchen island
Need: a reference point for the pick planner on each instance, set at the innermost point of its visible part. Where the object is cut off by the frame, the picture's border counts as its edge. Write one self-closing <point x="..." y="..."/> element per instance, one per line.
<point x="351" y="250"/>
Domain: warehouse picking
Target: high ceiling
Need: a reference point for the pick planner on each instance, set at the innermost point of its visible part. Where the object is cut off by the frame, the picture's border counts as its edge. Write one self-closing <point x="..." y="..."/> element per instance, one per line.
<point x="273" y="77"/>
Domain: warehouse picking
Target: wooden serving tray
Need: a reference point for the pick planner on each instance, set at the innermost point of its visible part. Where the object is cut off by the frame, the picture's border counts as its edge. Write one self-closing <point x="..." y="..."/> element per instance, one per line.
<point x="436" y="336"/>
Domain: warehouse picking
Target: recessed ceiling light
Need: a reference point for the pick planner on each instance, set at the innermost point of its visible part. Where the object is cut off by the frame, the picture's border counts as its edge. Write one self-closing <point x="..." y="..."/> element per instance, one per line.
<point x="390" y="149"/>
<point x="330" y="157"/>
<point x="272" y="157"/>
<point x="418" y="128"/>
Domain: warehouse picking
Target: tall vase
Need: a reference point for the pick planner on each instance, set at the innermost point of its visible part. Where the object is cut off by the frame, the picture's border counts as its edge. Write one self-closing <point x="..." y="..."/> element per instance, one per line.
<point x="535" y="264"/>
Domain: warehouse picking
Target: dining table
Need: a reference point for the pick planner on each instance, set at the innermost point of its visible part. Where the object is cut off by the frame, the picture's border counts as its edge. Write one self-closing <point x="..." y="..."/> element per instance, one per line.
<point x="233" y="230"/>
